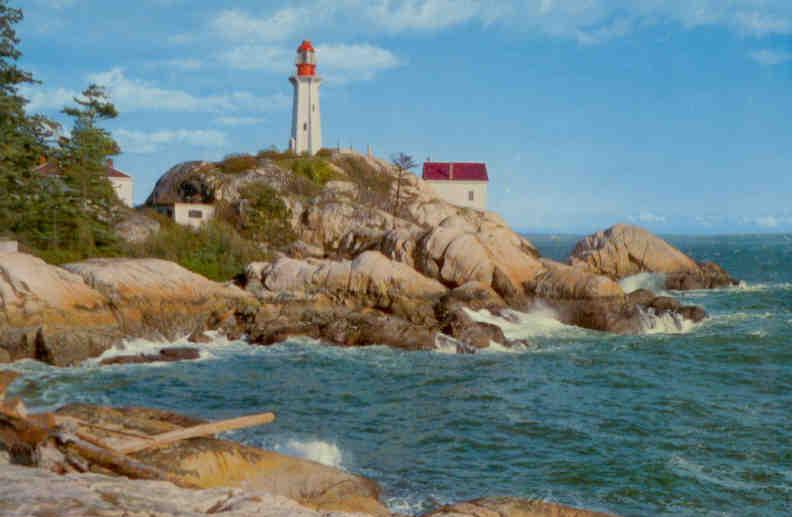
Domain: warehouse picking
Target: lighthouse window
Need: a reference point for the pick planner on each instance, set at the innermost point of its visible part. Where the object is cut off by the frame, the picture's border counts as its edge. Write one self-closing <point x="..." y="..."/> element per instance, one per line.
<point x="470" y="195"/>
<point x="305" y="127"/>
<point x="313" y="107"/>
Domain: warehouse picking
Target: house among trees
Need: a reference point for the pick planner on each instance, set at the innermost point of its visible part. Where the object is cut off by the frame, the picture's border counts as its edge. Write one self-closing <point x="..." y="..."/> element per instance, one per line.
<point x="122" y="183"/>
<point x="461" y="184"/>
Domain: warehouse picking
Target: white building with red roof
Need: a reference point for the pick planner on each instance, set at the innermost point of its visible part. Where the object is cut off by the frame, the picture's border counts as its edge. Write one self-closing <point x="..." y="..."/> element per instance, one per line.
<point x="460" y="183"/>
<point x="122" y="183"/>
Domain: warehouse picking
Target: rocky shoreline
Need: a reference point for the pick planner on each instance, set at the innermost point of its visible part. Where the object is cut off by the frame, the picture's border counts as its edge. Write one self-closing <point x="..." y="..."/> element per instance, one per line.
<point x="62" y="316"/>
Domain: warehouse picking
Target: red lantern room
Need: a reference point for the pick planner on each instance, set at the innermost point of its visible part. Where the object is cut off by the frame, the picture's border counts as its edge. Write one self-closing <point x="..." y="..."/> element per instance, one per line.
<point x="306" y="59"/>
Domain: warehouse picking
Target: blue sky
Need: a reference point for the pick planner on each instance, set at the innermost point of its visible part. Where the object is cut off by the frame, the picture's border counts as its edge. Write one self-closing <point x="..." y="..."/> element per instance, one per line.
<point x="676" y="115"/>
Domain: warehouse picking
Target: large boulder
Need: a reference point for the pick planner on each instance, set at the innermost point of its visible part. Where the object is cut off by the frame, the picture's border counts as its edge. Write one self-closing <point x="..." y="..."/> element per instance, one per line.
<point x="212" y="463"/>
<point x="459" y="251"/>
<point x="623" y="250"/>
<point x="559" y="281"/>
<point x="160" y="299"/>
<point x="50" y="314"/>
<point x="512" y="507"/>
<point x="370" y="280"/>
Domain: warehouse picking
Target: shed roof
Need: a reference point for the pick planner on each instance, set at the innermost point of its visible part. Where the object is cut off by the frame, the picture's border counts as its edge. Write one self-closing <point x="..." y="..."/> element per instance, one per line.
<point x="52" y="169"/>
<point x="455" y="171"/>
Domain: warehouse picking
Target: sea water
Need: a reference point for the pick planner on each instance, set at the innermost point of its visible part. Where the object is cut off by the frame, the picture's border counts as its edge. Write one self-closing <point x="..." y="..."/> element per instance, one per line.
<point x="684" y="420"/>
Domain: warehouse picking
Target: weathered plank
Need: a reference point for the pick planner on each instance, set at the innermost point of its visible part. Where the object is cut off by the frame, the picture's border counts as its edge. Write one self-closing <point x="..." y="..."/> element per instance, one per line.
<point x="115" y="462"/>
<point x="197" y="431"/>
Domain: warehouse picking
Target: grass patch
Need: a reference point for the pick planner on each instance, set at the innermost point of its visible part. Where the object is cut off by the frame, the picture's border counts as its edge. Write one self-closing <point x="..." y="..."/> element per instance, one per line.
<point x="374" y="186"/>
<point x="236" y="163"/>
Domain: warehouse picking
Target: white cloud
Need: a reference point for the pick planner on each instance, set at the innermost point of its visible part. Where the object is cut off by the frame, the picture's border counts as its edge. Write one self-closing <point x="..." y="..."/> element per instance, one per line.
<point x="183" y="64"/>
<point x="239" y="121"/>
<point x="40" y="99"/>
<point x="648" y="218"/>
<point x="259" y="57"/>
<point x="237" y="25"/>
<point x="768" y="221"/>
<point x="338" y="62"/>
<point x="770" y="57"/>
<point x="140" y="142"/>
<point x="56" y="4"/>
<point x="131" y="95"/>
<point x="586" y="21"/>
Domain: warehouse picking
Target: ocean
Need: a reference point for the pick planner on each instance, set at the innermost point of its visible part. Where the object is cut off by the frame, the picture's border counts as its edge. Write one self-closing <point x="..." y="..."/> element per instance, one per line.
<point x="691" y="420"/>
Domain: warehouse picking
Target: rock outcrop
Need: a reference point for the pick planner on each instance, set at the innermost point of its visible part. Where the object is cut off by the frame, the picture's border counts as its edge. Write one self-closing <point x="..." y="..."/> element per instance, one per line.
<point x="512" y="507"/>
<point x="159" y="299"/>
<point x="63" y="315"/>
<point x="622" y="251"/>
<point x="211" y="463"/>
<point x="370" y="280"/>
<point x="50" y="314"/>
<point x="26" y="491"/>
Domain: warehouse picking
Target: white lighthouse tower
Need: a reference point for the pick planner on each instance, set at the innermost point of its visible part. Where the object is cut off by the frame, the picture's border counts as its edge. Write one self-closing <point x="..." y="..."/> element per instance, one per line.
<point x="306" y="134"/>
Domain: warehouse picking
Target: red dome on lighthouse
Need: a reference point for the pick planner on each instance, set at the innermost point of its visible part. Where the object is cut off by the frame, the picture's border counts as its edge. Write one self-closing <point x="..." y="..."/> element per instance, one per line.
<point x="306" y="59"/>
<point x="306" y="46"/>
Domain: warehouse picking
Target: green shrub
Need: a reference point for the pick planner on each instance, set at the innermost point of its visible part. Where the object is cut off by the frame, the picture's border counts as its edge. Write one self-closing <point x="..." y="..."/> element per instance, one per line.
<point x="236" y="163"/>
<point x="216" y="250"/>
<point x="264" y="217"/>
<point x="272" y="153"/>
<point x="374" y="186"/>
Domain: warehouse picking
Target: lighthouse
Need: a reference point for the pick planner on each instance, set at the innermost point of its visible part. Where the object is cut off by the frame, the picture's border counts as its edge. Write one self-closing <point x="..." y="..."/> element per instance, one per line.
<point x="306" y="133"/>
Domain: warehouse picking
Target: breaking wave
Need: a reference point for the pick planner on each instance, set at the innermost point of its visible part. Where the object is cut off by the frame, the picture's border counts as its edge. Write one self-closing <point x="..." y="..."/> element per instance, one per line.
<point x="326" y="453"/>
<point x="541" y="322"/>
<point x="665" y="323"/>
<point x="654" y="282"/>
<point x="139" y="346"/>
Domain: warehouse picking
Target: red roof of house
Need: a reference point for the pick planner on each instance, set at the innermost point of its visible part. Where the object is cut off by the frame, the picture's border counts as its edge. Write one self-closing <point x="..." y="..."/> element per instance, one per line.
<point x="52" y="169"/>
<point x="456" y="171"/>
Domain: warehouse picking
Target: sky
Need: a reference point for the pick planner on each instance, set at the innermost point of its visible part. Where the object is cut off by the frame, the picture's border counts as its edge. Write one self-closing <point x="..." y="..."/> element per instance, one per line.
<point x="675" y="115"/>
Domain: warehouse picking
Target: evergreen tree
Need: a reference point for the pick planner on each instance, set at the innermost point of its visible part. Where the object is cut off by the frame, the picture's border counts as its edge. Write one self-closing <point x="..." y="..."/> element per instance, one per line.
<point x="22" y="138"/>
<point x="83" y="199"/>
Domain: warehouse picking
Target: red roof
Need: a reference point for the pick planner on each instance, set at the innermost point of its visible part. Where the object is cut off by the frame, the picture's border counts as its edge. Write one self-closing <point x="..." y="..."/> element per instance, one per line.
<point x="51" y="169"/>
<point x="456" y="171"/>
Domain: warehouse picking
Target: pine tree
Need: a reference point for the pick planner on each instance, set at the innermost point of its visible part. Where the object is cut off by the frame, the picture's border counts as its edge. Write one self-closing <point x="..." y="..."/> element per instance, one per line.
<point x="85" y="196"/>
<point x="22" y="138"/>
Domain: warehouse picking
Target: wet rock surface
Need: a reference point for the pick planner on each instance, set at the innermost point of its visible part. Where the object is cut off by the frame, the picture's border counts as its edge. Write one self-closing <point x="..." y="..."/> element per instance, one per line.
<point x="166" y="355"/>
<point x="512" y="507"/>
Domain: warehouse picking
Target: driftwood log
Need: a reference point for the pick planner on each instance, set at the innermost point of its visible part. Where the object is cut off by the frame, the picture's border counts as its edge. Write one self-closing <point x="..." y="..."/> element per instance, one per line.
<point x="61" y="442"/>
<point x="161" y="440"/>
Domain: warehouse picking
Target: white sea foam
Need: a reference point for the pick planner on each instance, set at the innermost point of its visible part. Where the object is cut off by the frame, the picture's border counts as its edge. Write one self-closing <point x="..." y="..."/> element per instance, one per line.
<point x="319" y="451"/>
<point x="497" y="348"/>
<point x="760" y="287"/>
<point x="540" y="322"/>
<point x="654" y="282"/>
<point x="665" y="323"/>
<point x="139" y="346"/>
<point x="688" y="468"/>
<point x="447" y="345"/>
